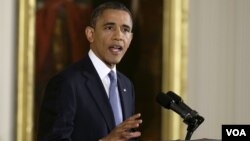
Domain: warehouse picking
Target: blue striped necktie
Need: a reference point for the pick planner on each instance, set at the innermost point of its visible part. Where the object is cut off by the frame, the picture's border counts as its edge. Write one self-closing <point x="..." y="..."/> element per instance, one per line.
<point x="114" y="98"/>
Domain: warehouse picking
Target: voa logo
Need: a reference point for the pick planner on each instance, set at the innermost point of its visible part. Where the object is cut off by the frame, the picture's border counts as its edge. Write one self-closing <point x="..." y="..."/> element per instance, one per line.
<point x="236" y="132"/>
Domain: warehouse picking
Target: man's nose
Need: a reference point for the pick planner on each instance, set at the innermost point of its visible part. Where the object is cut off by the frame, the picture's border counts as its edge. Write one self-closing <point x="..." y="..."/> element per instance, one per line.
<point x="118" y="34"/>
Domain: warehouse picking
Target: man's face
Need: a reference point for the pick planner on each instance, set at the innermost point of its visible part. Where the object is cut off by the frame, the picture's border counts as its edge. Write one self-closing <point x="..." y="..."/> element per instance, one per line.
<point x="111" y="36"/>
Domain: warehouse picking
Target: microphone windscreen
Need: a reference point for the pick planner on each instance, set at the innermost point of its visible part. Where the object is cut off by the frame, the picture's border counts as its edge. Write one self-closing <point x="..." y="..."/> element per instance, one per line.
<point x="164" y="100"/>
<point x="174" y="96"/>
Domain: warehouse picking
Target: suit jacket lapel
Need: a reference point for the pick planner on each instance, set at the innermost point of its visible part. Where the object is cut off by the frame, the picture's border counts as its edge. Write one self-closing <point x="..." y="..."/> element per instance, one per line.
<point x="95" y="86"/>
<point x="124" y="99"/>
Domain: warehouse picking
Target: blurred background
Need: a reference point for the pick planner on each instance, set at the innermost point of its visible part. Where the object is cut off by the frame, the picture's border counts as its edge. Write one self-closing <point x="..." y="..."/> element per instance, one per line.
<point x="197" y="48"/>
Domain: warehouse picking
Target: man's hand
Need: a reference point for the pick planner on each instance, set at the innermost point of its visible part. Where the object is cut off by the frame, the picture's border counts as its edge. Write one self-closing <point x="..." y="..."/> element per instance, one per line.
<point x="123" y="131"/>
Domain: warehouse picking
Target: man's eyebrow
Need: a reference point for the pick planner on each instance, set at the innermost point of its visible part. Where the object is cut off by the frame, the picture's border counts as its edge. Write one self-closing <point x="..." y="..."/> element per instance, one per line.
<point x="112" y="23"/>
<point x="109" y="23"/>
<point x="127" y="26"/>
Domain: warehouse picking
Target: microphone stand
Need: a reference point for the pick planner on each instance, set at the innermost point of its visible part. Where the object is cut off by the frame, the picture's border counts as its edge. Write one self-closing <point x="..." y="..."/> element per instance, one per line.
<point x="193" y="123"/>
<point x="188" y="135"/>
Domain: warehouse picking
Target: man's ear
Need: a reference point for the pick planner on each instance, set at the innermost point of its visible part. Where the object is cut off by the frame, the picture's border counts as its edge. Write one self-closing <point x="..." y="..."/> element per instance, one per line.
<point x="89" y="32"/>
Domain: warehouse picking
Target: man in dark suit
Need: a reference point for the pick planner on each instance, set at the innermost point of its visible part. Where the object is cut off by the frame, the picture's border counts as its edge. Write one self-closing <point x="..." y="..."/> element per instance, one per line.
<point x="76" y="105"/>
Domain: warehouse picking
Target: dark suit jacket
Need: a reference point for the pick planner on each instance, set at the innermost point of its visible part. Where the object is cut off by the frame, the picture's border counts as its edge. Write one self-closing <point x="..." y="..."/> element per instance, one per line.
<point x="76" y="106"/>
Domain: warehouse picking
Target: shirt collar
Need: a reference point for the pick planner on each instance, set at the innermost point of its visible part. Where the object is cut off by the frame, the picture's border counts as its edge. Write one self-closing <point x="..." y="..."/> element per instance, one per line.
<point x="99" y="65"/>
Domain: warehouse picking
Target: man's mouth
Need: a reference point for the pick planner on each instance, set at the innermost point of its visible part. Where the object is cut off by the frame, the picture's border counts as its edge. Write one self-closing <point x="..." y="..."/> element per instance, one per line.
<point x="116" y="48"/>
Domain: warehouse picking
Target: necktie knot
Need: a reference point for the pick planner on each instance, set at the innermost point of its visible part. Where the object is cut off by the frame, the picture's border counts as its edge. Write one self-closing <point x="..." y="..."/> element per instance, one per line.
<point x="112" y="76"/>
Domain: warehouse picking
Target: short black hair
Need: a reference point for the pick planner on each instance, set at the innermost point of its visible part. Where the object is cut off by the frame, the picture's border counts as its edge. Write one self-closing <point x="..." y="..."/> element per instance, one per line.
<point x="107" y="5"/>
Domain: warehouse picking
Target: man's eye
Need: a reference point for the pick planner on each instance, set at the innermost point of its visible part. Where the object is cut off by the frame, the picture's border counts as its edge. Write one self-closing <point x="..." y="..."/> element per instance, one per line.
<point x="126" y="30"/>
<point x="108" y="27"/>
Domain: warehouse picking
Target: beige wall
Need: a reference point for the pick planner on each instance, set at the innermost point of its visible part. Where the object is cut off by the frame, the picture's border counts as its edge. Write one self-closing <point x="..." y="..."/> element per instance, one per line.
<point x="218" y="63"/>
<point x="7" y="69"/>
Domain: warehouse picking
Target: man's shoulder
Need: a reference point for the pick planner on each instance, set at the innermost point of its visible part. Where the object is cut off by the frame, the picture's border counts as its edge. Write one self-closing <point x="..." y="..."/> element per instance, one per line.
<point x="72" y="71"/>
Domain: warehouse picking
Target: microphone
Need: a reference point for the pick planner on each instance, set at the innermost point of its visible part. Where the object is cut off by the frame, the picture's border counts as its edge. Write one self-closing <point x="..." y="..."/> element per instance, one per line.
<point x="180" y="102"/>
<point x="172" y="101"/>
<point x="169" y="103"/>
